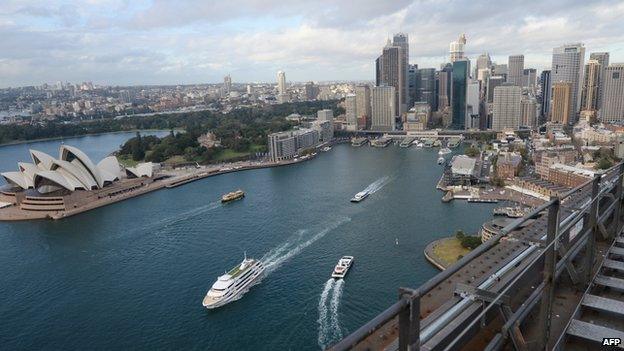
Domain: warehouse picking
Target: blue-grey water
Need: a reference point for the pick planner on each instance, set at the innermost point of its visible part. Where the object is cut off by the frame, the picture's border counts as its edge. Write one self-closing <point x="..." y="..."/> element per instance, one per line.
<point x="132" y="275"/>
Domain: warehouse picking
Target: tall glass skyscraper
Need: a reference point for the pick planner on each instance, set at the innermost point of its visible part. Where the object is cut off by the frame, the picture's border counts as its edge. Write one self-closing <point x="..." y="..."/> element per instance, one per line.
<point x="458" y="94"/>
<point x="546" y="94"/>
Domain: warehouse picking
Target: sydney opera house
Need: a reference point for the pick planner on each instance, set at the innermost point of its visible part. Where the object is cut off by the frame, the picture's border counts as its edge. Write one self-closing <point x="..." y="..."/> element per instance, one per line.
<point x="50" y="185"/>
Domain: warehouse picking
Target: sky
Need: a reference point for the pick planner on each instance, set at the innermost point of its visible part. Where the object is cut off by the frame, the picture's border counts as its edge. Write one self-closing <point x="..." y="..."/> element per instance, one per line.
<point x="134" y="42"/>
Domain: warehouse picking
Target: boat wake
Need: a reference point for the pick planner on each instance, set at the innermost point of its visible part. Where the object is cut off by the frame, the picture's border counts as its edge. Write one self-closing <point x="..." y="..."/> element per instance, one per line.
<point x="329" y="327"/>
<point x="276" y="257"/>
<point x="377" y="185"/>
<point x="183" y="216"/>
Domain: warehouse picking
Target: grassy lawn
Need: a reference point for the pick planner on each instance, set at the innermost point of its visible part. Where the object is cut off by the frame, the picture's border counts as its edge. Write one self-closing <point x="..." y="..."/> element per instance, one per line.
<point x="229" y="154"/>
<point x="127" y="161"/>
<point x="175" y="160"/>
<point x="449" y="249"/>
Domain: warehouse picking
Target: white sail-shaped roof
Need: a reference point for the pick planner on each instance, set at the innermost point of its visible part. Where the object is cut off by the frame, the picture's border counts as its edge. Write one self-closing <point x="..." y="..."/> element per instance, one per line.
<point x="74" y="155"/>
<point x="76" y="172"/>
<point x="28" y="169"/>
<point x="41" y="159"/>
<point x="141" y="170"/>
<point x="109" y="169"/>
<point x="52" y="179"/>
<point x="18" y="179"/>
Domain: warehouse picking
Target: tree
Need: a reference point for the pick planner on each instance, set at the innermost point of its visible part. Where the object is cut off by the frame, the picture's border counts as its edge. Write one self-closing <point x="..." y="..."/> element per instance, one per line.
<point x="472" y="151"/>
<point x="138" y="151"/>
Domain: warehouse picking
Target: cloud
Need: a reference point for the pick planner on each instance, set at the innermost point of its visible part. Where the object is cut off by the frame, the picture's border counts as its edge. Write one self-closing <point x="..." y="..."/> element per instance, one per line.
<point x="194" y="41"/>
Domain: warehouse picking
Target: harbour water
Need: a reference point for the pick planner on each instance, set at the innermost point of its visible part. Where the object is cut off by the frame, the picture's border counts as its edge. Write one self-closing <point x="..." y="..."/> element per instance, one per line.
<point x="133" y="274"/>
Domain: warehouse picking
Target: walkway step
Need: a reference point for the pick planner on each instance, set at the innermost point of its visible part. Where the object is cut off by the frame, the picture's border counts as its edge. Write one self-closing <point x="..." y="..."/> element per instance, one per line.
<point x="592" y="332"/>
<point x="617" y="265"/>
<point x="611" y="282"/>
<point x="604" y="304"/>
<point x="616" y="251"/>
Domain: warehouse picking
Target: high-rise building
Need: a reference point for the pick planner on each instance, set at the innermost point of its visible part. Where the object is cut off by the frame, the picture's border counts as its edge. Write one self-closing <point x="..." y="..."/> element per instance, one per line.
<point x="483" y="62"/>
<point x="603" y="60"/>
<point x="412" y="77"/>
<point x="528" y="112"/>
<point x="500" y="70"/>
<point x="425" y="86"/>
<point x="472" y="105"/>
<point x="591" y="83"/>
<point x="311" y="91"/>
<point x="458" y="94"/>
<point x="402" y="40"/>
<point x="227" y="84"/>
<point x="546" y="93"/>
<point x="529" y="78"/>
<point x="561" y="105"/>
<point x="492" y="83"/>
<point x="351" y="112"/>
<point x="363" y="106"/>
<point x="281" y="82"/>
<point x="506" y="109"/>
<point x="516" y="69"/>
<point x="325" y="115"/>
<point x="383" y="108"/>
<point x="392" y="71"/>
<point x="456" y="49"/>
<point x="567" y="66"/>
<point x="443" y="86"/>
<point x="613" y="98"/>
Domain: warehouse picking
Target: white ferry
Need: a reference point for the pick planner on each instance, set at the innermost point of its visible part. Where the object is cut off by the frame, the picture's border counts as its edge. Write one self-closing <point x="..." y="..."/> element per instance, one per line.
<point x="441" y="160"/>
<point x="232" y="285"/>
<point x="342" y="267"/>
<point x="444" y="151"/>
<point x="360" y="196"/>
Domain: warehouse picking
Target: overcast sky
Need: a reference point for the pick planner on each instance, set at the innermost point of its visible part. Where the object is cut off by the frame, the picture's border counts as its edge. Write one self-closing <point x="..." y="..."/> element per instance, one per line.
<point x="130" y="42"/>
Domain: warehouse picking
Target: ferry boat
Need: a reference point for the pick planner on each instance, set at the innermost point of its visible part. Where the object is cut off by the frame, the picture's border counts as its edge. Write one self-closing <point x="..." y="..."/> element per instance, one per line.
<point x="235" y="195"/>
<point x="358" y="141"/>
<point x="453" y="143"/>
<point x="234" y="284"/>
<point x="360" y="196"/>
<point x="444" y="151"/>
<point x="441" y="160"/>
<point x="341" y="269"/>
<point x="381" y="142"/>
<point x="326" y="148"/>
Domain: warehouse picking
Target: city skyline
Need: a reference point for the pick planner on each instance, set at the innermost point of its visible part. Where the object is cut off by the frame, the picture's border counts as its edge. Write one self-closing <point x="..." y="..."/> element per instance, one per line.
<point x="158" y="42"/>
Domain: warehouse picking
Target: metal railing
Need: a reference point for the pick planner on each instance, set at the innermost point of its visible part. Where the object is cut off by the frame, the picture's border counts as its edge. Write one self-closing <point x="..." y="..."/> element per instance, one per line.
<point x="579" y="205"/>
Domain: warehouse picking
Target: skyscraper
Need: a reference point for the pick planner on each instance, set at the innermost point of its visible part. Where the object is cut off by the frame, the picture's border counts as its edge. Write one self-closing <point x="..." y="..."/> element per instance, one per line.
<point x="458" y="94"/>
<point x="528" y="112"/>
<point x="591" y="82"/>
<point x="483" y="62"/>
<point x="506" y="109"/>
<point x="281" y="82"/>
<point x="546" y="93"/>
<point x="567" y="66"/>
<point x="561" y="105"/>
<point x="311" y="91"/>
<point x="412" y="83"/>
<point x="425" y="86"/>
<point x="227" y="84"/>
<point x="402" y="40"/>
<point x="603" y="59"/>
<point x="492" y="83"/>
<point x="516" y="69"/>
<point x="456" y="49"/>
<point x="529" y="78"/>
<point x="383" y="108"/>
<point x="392" y="71"/>
<point x="351" y="112"/>
<point x="363" y="106"/>
<point x="443" y="87"/>
<point x="613" y="98"/>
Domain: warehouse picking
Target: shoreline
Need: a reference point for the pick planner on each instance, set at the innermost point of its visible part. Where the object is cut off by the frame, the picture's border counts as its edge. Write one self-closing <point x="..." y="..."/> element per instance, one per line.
<point x="435" y="259"/>
<point x="19" y="142"/>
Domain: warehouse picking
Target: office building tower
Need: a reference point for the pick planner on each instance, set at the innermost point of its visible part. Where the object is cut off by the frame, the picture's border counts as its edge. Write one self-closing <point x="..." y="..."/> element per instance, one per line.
<point x="492" y="83"/>
<point x="545" y="93"/>
<point x="567" y="66"/>
<point x="443" y="87"/>
<point x="402" y="40"/>
<point x="227" y="84"/>
<point x="529" y="78"/>
<point x="591" y="83"/>
<point x="456" y="49"/>
<point x="425" y="86"/>
<point x="281" y="82"/>
<point x="393" y="71"/>
<point x="483" y="62"/>
<point x="383" y="100"/>
<point x="325" y="115"/>
<point x="311" y="91"/>
<point x="516" y="69"/>
<point x="472" y="105"/>
<point x="506" y="107"/>
<point x="363" y="106"/>
<point x="412" y="73"/>
<point x="458" y="94"/>
<point x="603" y="60"/>
<point x="500" y="70"/>
<point x="417" y="117"/>
<point x="351" y="112"/>
<point x="613" y="102"/>
<point x="528" y="112"/>
<point x="561" y="102"/>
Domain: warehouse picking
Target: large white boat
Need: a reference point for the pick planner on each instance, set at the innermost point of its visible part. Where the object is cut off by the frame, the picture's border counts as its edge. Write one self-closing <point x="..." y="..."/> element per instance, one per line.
<point x="441" y="160"/>
<point x="232" y="285"/>
<point x="444" y="151"/>
<point x="342" y="267"/>
<point x="360" y="196"/>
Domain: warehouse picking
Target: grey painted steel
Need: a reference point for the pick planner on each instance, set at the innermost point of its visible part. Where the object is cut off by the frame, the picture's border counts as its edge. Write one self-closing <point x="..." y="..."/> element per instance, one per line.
<point x="549" y="275"/>
<point x="591" y="244"/>
<point x="592" y="332"/>
<point x="610" y="282"/>
<point x="617" y="251"/>
<point x="612" y="264"/>
<point x="603" y="304"/>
